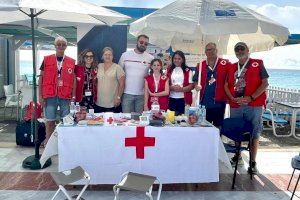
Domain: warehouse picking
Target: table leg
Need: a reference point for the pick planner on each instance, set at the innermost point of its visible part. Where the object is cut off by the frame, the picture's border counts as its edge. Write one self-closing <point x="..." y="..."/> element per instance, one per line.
<point x="293" y="123"/>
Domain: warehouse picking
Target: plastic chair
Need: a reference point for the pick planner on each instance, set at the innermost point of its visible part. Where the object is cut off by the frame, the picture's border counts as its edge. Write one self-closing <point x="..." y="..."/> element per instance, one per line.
<point x="68" y="177"/>
<point x="296" y="166"/>
<point x="137" y="183"/>
<point x="12" y="99"/>
<point x="238" y="130"/>
<point x="275" y="120"/>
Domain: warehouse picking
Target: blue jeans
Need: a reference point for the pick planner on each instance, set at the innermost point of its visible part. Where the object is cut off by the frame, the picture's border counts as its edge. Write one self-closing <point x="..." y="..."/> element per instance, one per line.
<point x="132" y="103"/>
<point x="52" y="105"/>
<point x="252" y="114"/>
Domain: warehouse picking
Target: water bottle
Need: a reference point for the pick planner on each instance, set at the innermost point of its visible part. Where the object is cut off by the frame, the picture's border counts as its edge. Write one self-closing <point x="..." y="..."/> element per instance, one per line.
<point x="77" y="107"/>
<point x="154" y="109"/>
<point x="203" y="114"/>
<point x="199" y="114"/>
<point x="72" y="108"/>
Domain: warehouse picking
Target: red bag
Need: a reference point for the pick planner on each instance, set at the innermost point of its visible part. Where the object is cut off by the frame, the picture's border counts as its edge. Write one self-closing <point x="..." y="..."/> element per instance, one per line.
<point x="30" y="111"/>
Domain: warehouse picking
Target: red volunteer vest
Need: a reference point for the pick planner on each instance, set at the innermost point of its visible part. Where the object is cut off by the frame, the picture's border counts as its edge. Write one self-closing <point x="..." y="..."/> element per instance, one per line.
<point x="163" y="101"/>
<point x="253" y="81"/>
<point x="221" y="67"/>
<point x="50" y="78"/>
<point x="188" y="97"/>
<point x="80" y="77"/>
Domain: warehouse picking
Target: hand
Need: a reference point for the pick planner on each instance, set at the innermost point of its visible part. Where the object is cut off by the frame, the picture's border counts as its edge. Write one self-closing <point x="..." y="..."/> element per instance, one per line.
<point x="146" y="108"/>
<point x="117" y="102"/>
<point x="177" y="88"/>
<point x="41" y="100"/>
<point x="242" y="101"/>
<point x="198" y="87"/>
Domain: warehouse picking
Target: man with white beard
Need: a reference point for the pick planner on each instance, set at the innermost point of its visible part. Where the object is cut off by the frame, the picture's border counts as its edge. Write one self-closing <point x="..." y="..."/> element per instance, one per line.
<point x="245" y="87"/>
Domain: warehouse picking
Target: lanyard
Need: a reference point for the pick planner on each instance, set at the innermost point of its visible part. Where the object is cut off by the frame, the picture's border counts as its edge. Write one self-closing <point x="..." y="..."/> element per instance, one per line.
<point x="156" y="82"/>
<point x="59" y="66"/>
<point x="88" y="78"/>
<point x="212" y="69"/>
<point x="241" y="70"/>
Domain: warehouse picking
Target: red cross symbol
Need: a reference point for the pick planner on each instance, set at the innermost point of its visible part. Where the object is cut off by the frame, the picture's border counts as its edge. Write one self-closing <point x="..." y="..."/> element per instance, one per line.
<point x="110" y="120"/>
<point x="140" y="142"/>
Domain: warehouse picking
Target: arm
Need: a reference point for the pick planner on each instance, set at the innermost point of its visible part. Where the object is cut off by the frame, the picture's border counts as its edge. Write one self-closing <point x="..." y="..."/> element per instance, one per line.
<point x="263" y="86"/>
<point x="74" y="88"/>
<point x="41" y="100"/>
<point x="227" y="91"/>
<point x="146" y="97"/>
<point x="163" y="93"/>
<point x="188" y="88"/>
<point x="120" y="90"/>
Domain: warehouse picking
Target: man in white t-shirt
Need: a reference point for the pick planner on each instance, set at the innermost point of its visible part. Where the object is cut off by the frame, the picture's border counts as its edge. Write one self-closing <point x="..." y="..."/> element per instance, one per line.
<point x="136" y="65"/>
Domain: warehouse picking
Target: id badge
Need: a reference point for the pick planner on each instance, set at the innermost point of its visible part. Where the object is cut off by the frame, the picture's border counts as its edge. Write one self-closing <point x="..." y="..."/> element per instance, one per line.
<point x="60" y="82"/>
<point x="88" y="93"/>
<point x="211" y="81"/>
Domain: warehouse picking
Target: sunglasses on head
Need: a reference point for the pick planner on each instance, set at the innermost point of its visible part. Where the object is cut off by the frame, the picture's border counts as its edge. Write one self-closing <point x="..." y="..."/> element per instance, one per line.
<point x="143" y="43"/>
<point x="239" y="48"/>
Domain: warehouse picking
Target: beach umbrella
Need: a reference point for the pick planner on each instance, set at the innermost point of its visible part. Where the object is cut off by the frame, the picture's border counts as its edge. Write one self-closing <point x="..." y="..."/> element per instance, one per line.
<point x="188" y="25"/>
<point x="52" y="13"/>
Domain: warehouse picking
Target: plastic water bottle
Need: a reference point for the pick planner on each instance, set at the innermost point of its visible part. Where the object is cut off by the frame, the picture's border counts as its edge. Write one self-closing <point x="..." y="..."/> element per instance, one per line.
<point x="203" y="114"/>
<point x="199" y="114"/>
<point x="77" y="107"/>
<point x="72" y="107"/>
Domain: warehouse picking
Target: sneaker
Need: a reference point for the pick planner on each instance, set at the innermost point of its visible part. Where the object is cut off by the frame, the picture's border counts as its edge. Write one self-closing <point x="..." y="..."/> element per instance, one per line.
<point x="234" y="159"/>
<point x="253" y="168"/>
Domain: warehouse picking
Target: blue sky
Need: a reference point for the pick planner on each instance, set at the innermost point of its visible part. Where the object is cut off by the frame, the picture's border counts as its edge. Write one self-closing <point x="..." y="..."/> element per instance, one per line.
<point x="285" y="12"/>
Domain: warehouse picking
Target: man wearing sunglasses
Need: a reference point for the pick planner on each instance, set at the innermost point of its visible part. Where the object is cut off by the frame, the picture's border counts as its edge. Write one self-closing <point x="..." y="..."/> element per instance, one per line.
<point x="212" y="94"/>
<point x="57" y="84"/>
<point x="245" y="87"/>
<point x="136" y="66"/>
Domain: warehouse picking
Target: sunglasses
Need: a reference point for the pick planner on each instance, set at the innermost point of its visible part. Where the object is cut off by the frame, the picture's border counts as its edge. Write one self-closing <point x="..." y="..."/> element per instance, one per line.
<point x="86" y="56"/>
<point x="239" y="48"/>
<point x="143" y="43"/>
<point x="61" y="45"/>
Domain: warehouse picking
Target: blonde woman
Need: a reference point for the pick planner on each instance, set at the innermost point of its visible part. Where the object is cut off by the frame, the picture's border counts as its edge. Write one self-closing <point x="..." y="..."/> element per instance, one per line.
<point x="110" y="84"/>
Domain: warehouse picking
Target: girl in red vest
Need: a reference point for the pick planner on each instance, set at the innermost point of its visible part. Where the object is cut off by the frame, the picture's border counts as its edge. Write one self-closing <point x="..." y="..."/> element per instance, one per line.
<point x="181" y="84"/>
<point x="86" y="71"/>
<point x="156" y="86"/>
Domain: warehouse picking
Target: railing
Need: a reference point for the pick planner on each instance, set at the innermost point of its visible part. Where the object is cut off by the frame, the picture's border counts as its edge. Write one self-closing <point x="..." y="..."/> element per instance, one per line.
<point x="282" y="94"/>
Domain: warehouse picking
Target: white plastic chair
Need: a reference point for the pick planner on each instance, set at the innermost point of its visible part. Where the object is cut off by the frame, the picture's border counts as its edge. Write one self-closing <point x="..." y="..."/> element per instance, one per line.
<point x="137" y="183"/>
<point x="12" y="99"/>
<point x="68" y="177"/>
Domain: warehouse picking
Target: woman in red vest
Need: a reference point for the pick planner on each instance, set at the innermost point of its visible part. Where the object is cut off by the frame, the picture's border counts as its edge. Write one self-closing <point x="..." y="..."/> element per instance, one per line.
<point x="156" y="87"/>
<point x="181" y="84"/>
<point x="86" y="71"/>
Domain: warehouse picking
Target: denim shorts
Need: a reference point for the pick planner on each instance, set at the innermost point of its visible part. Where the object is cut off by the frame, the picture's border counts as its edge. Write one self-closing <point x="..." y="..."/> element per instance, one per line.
<point x="51" y="105"/>
<point x="252" y="114"/>
<point x="132" y="103"/>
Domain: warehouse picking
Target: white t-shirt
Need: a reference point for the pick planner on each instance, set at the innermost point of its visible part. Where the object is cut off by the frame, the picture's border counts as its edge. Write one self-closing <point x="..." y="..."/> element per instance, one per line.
<point x="136" y="67"/>
<point x="177" y="78"/>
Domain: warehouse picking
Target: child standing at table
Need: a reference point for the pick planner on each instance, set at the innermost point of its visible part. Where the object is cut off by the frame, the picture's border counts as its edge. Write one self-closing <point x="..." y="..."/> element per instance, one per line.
<point x="156" y="87"/>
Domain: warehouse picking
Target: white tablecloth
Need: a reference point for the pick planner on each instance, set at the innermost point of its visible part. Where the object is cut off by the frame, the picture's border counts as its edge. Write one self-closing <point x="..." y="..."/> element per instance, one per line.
<point x="179" y="155"/>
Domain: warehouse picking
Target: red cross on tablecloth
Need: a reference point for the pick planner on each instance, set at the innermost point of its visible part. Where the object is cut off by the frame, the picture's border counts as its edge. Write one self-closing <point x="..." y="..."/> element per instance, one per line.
<point x="140" y="142"/>
<point x="110" y="120"/>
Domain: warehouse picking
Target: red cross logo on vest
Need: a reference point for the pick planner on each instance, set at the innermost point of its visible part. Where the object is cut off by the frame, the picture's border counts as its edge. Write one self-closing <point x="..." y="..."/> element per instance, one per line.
<point x="110" y="120"/>
<point x="140" y="142"/>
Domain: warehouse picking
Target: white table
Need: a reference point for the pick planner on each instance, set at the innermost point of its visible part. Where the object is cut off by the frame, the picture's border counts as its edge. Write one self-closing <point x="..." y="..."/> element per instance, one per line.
<point x="179" y="155"/>
<point x="295" y="107"/>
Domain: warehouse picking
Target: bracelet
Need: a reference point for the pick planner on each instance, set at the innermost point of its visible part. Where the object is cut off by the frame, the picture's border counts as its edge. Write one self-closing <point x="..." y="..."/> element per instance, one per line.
<point x="252" y="98"/>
